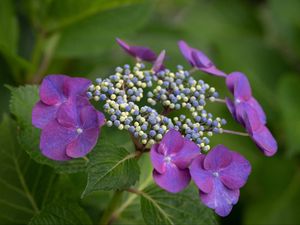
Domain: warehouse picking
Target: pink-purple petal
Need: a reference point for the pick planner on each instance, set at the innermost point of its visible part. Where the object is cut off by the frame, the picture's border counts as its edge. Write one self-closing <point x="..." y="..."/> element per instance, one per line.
<point x="173" y="180"/>
<point x="231" y="107"/>
<point x="54" y="140"/>
<point x="157" y="159"/>
<point x="51" y="89"/>
<point x="186" y="52"/>
<point x="88" y="117"/>
<point x="257" y="107"/>
<point x="159" y="62"/>
<point x="42" y="114"/>
<point x="217" y="158"/>
<point x="265" y="141"/>
<point x="67" y="114"/>
<point x="171" y="142"/>
<point x="101" y="119"/>
<point x="187" y="153"/>
<point x="83" y="144"/>
<point x="75" y="86"/>
<point x="202" y="177"/>
<point x="242" y="89"/>
<point x="221" y="199"/>
<point x="235" y="175"/>
<point x="140" y="52"/>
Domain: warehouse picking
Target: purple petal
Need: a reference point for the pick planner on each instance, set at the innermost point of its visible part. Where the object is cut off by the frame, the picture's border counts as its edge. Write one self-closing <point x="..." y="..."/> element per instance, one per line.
<point x="231" y="107"/>
<point x="257" y="107"/>
<point x="242" y="89"/>
<point x="173" y="180"/>
<point x="171" y="142"/>
<point x="186" y="52"/>
<point x="221" y="199"/>
<point x="187" y="153"/>
<point x="217" y="158"/>
<point x="265" y="141"/>
<point x="101" y="119"/>
<point x="157" y="159"/>
<point x="202" y="62"/>
<point x="235" y="175"/>
<point x="250" y="118"/>
<point x="42" y="114"/>
<point x="140" y="52"/>
<point x="202" y="177"/>
<point x="83" y="144"/>
<point x="89" y="117"/>
<point x="67" y="114"/>
<point x="75" y="86"/>
<point x="159" y="62"/>
<point x="51" y="89"/>
<point x="54" y="140"/>
<point x="238" y="84"/>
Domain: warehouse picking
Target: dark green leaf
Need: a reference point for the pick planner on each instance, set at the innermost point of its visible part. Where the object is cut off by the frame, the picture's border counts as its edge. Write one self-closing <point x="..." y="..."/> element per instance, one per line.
<point x="22" y="101"/>
<point x="111" y="168"/>
<point x="61" y="213"/>
<point x="24" y="184"/>
<point x="160" y="207"/>
<point x="98" y="32"/>
<point x="290" y="110"/>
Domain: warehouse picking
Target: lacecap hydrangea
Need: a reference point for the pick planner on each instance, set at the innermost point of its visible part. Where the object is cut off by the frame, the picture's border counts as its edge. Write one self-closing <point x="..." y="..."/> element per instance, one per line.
<point x="179" y="145"/>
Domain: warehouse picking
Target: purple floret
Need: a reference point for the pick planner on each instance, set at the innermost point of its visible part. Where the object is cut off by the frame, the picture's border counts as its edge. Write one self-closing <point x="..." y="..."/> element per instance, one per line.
<point x="219" y="175"/>
<point x="139" y="52"/>
<point x="70" y="124"/>
<point x="199" y="60"/>
<point x="171" y="159"/>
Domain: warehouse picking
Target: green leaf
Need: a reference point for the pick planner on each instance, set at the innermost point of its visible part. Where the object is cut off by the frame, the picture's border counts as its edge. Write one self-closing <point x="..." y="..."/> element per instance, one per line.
<point x="25" y="186"/>
<point x="97" y="33"/>
<point x="161" y="207"/>
<point x="290" y="110"/>
<point x="22" y="101"/>
<point x="111" y="168"/>
<point x="9" y="32"/>
<point x="61" y="213"/>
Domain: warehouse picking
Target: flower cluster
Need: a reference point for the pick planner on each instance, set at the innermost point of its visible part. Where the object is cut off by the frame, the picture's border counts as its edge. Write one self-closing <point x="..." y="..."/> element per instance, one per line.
<point x="219" y="175"/>
<point x="69" y="123"/>
<point x="165" y="113"/>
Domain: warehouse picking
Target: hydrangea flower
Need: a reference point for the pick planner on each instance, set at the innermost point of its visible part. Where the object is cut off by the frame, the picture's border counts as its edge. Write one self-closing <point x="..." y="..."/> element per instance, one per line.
<point x="219" y="175"/>
<point x="199" y="60"/>
<point x="69" y="123"/>
<point x="54" y="91"/>
<point x="158" y="64"/>
<point x="73" y="134"/>
<point x="248" y="112"/>
<point x="239" y="86"/>
<point x="171" y="159"/>
<point x="139" y="52"/>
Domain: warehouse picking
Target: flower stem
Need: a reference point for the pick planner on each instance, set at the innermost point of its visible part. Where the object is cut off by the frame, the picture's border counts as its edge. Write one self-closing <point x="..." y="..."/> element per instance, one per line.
<point x="193" y="70"/>
<point x="235" y="132"/>
<point x="220" y="100"/>
<point x="107" y="215"/>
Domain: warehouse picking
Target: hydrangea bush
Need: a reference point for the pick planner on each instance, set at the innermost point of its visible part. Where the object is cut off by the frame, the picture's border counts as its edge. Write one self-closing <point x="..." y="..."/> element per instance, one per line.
<point x="164" y="111"/>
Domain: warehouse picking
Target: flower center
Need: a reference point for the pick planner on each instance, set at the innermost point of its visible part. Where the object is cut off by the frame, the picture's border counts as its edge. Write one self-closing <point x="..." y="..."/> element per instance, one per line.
<point x="216" y="174"/>
<point x="79" y="130"/>
<point x="237" y="101"/>
<point x="168" y="159"/>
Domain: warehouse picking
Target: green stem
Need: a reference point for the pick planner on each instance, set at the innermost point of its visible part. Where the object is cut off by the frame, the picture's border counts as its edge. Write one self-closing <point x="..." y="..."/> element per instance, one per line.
<point x="106" y="218"/>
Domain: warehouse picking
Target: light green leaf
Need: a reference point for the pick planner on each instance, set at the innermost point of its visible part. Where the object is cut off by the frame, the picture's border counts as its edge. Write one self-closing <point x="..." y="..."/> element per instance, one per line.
<point x="22" y="101"/>
<point x="97" y="33"/>
<point x="23" y="187"/>
<point x="160" y="207"/>
<point x="290" y="110"/>
<point x="111" y="168"/>
<point x="61" y="213"/>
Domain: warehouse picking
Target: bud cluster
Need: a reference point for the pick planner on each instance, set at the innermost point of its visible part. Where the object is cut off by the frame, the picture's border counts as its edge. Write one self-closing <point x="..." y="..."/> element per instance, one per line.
<point x="123" y="91"/>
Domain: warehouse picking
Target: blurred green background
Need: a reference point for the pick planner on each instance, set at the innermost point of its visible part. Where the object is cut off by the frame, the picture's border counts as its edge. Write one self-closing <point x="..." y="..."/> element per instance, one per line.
<point x="258" y="37"/>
